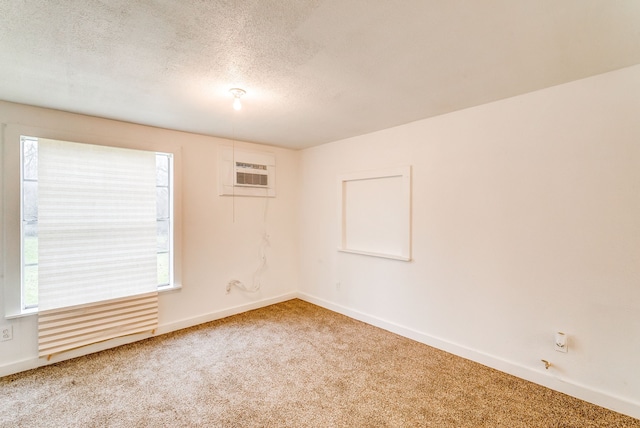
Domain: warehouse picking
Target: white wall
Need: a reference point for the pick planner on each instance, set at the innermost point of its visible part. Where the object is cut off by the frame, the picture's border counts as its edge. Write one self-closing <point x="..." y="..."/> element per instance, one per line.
<point x="526" y="221"/>
<point x="218" y="237"/>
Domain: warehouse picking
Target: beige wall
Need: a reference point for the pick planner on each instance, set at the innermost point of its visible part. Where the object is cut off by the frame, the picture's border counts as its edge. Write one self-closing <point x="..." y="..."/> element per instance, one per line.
<point x="218" y="237"/>
<point x="526" y="221"/>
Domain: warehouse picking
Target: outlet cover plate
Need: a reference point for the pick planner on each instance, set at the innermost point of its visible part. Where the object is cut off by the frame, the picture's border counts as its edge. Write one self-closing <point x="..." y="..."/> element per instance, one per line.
<point x="6" y="332"/>
<point x="560" y="342"/>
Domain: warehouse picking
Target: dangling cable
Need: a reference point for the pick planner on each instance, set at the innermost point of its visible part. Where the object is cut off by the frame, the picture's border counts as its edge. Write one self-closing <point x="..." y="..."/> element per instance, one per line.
<point x="262" y="254"/>
<point x="266" y="208"/>
<point x="237" y="105"/>
<point x="264" y="243"/>
<point x="255" y="284"/>
<point x="233" y="169"/>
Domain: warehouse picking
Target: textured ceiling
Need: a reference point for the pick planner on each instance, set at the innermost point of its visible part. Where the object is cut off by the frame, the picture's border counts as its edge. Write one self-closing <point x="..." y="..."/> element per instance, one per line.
<point x="315" y="71"/>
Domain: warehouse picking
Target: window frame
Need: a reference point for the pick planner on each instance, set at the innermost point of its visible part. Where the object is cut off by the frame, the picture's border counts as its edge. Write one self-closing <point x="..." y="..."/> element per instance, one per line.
<point x="24" y="306"/>
<point x="107" y="134"/>
<point x="171" y="211"/>
<point x="168" y="183"/>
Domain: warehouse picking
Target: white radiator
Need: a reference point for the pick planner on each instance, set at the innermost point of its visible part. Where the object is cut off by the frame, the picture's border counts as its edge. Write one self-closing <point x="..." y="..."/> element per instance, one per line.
<point x="72" y="327"/>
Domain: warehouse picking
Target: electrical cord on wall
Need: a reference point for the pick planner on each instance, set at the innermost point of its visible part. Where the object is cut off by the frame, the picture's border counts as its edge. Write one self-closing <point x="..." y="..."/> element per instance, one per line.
<point x="255" y="284"/>
<point x="262" y="254"/>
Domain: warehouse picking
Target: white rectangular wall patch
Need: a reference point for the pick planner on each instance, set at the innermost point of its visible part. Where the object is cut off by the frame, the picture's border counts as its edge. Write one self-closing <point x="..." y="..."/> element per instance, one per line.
<point x="375" y="213"/>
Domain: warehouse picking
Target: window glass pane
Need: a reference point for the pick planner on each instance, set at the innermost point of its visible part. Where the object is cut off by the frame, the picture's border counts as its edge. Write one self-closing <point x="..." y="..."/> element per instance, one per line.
<point x="30" y="250"/>
<point x="30" y="203"/>
<point x="163" y="236"/>
<point x="30" y="158"/>
<point x="162" y="170"/>
<point x="162" y="202"/>
<point x="30" y="289"/>
<point x="163" y="269"/>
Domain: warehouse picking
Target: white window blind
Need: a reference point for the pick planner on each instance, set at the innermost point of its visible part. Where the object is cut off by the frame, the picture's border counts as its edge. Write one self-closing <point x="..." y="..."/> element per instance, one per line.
<point x="97" y="223"/>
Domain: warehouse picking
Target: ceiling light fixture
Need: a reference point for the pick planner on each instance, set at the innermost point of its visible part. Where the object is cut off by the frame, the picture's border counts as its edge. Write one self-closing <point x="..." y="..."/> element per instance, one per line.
<point x="237" y="93"/>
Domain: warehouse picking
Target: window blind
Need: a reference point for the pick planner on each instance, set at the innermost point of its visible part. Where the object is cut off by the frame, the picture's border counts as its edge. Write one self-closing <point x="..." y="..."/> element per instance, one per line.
<point x="97" y="223"/>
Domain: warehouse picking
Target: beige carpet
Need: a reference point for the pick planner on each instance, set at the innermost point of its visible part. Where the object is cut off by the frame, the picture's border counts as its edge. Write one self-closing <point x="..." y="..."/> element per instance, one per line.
<point x="288" y="365"/>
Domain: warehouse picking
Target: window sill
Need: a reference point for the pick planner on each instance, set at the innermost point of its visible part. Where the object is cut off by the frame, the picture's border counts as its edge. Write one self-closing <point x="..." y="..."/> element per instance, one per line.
<point x="169" y="288"/>
<point x="24" y="313"/>
<point x="34" y="311"/>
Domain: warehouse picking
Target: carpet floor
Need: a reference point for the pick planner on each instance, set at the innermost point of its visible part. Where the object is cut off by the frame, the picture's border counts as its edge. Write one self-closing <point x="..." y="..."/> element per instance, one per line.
<point x="293" y="364"/>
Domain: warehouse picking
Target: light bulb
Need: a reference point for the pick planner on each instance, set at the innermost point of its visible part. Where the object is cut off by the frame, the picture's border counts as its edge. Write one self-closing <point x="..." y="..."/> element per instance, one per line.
<point x="237" y="93"/>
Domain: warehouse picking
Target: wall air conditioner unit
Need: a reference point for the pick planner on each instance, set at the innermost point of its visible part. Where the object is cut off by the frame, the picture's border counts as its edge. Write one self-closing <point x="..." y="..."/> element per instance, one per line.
<point x="251" y="175"/>
<point x="245" y="172"/>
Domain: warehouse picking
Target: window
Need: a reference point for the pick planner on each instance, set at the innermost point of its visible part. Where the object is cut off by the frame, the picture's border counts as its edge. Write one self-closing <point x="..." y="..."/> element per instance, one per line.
<point x="29" y="220"/>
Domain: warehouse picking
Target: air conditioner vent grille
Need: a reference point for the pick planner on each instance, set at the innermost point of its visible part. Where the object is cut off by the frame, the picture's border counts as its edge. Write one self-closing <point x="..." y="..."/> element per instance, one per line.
<point x="243" y="178"/>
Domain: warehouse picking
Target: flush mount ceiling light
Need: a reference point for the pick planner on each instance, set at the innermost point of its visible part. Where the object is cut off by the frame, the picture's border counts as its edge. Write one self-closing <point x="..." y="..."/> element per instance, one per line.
<point x="237" y="93"/>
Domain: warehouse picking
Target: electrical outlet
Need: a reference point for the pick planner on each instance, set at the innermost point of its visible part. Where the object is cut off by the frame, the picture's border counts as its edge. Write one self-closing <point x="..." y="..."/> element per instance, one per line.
<point x="6" y="332"/>
<point x="560" y="342"/>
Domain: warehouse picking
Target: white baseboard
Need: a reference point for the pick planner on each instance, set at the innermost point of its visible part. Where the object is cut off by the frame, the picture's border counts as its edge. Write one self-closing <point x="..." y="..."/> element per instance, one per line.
<point x="541" y="377"/>
<point x="212" y="316"/>
<point x="32" y="363"/>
